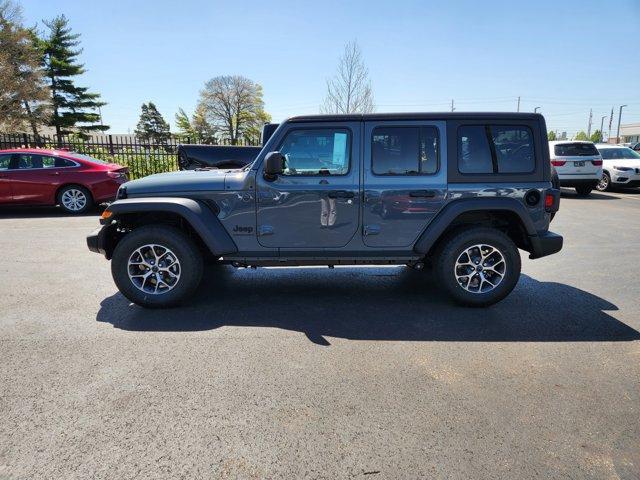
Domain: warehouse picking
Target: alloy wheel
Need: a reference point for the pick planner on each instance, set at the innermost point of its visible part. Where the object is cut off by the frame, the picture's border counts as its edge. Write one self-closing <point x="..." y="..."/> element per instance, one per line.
<point x="480" y="268"/>
<point x="154" y="269"/>
<point x="74" y="199"/>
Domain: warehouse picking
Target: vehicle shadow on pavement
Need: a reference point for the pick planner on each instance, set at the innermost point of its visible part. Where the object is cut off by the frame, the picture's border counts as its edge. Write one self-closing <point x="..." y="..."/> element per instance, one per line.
<point x="45" y="212"/>
<point x="571" y="193"/>
<point x="375" y="304"/>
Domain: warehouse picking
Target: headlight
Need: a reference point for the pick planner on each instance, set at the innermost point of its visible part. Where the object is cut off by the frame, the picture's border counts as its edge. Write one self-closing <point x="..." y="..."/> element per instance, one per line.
<point x="622" y="169"/>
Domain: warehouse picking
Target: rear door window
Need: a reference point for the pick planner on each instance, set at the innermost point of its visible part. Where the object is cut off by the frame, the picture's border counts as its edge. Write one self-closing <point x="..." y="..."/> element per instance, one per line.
<point x="474" y="153"/>
<point x="29" y="161"/>
<point x="404" y="150"/>
<point x="575" y="150"/>
<point x="486" y="149"/>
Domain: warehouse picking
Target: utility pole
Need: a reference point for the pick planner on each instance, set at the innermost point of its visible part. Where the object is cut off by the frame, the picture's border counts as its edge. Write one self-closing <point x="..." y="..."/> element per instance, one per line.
<point x="590" y="118"/>
<point x="601" y="128"/>
<point x="452" y="107"/>
<point x="619" y="118"/>
<point x="535" y="110"/>
<point x="518" y="104"/>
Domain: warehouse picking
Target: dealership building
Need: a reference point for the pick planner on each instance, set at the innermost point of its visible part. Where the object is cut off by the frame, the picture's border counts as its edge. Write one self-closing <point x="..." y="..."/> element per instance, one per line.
<point x="630" y="133"/>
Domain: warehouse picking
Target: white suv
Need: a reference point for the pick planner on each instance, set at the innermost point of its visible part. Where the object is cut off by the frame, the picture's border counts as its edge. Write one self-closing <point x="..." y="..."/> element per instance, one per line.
<point x="579" y="164"/>
<point x="621" y="167"/>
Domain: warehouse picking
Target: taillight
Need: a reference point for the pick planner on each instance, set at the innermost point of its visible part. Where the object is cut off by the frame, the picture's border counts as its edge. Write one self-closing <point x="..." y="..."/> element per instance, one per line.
<point x="116" y="174"/>
<point x="557" y="163"/>
<point x="597" y="162"/>
<point x="549" y="200"/>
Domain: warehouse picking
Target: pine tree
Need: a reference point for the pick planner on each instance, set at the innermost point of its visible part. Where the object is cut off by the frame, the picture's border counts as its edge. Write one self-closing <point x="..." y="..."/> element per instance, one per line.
<point x="152" y="126"/>
<point x="73" y="107"/>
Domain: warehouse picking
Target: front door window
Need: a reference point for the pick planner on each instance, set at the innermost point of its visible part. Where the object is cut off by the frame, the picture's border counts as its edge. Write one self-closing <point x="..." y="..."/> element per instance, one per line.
<point x="316" y="152"/>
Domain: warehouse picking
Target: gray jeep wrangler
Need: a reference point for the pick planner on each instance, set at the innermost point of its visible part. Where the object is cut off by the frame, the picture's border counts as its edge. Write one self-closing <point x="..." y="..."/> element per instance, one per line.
<point x="459" y="191"/>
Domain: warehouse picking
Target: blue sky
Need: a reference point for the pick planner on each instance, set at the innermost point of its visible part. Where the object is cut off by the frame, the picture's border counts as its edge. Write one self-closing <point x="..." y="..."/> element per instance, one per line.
<point x="564" y="56"/>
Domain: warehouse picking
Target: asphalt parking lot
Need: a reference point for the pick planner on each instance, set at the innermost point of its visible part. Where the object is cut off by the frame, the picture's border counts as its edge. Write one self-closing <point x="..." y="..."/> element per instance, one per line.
<point x="290" y="373"/>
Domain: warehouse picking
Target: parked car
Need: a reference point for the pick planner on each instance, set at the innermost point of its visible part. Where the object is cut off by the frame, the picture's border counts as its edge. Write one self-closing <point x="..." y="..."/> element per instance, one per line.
<point x="191" y="157"/>
<point x="55" y="177"/>
<point x="578" y="164"/>
<point x="621" y="167"/>
<point x="635" y="146"/>
<point x="317" y="195"/>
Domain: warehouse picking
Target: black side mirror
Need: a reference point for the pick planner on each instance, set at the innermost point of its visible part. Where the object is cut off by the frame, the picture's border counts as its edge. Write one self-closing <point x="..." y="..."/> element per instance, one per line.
<point x="273" y="164"/>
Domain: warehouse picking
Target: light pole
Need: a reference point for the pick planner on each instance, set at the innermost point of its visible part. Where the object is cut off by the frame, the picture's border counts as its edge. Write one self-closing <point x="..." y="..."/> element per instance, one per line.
<point x="535" y="110"/>
<point x="619" y="118"/>
<point x="601" y="127"/>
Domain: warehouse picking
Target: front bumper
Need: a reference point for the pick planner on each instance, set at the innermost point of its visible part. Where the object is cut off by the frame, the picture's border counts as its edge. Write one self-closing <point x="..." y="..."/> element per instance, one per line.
<point x="100" y="241"/>
<point x="545" y="243"/>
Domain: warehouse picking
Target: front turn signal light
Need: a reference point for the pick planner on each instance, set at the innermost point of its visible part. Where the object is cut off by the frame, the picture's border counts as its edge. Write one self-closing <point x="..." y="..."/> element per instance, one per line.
<point x="106" y="215"/>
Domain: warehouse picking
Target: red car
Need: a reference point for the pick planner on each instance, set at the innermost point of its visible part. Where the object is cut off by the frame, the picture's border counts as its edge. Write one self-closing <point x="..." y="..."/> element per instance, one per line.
<point x="53" y="177"/>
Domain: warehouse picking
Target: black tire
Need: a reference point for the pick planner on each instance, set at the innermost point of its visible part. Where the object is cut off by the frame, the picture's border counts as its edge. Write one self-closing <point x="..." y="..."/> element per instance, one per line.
<point x="584" y="190"/>
<point x="74" y="192"/>
<point x="453" y="247"/>
<point x="180" y="245"/>
<point x="605" y="183"/>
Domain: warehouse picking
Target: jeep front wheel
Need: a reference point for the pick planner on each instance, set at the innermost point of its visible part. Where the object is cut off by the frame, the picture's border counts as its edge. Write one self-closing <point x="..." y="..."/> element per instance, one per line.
<point x="156" y="266"/>
<point x="478" y="266"/>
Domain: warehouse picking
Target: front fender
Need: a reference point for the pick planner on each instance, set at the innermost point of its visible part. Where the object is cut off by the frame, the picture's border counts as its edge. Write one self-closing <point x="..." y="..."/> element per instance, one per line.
<point x="196" y="213"/>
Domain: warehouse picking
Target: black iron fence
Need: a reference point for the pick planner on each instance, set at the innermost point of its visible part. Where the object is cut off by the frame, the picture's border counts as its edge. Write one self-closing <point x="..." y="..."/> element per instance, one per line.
<point x="141" y="157"/>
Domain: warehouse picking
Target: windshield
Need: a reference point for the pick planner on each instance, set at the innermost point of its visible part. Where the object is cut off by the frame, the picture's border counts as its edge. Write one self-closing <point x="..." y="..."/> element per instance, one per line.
<point x="575" y="150"/>
<point x="89" y="159"/>
<point x="622" y="153"/>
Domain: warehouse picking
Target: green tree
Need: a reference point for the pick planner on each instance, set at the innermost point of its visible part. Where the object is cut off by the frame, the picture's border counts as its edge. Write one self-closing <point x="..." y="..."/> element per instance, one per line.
<point x="23" y="93"/>
<point x="205" y="132"/>
<point x="596" y="137"/>
<point x="73" y="107"/>
<point x="184" y="124"/>
<point x="581" y="135"/>
<point x="551" y="135"/>
<point x="152" y="126"/>
<point x="197" y="129"/>
<point x="233" y="106"/>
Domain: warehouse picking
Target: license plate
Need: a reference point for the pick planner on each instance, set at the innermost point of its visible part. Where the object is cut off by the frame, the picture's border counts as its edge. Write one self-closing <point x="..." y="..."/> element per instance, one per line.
<point x="579" y="164"/>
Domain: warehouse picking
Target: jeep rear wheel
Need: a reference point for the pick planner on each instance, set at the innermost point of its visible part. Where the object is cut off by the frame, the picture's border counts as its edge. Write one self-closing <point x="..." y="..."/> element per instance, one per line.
<point x="478" y="266"/>
<point x="156" y="266"/>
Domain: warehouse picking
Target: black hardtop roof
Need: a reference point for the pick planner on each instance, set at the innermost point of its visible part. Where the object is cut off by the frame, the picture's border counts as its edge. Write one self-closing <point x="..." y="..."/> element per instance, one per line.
<point x="355" y="117"/>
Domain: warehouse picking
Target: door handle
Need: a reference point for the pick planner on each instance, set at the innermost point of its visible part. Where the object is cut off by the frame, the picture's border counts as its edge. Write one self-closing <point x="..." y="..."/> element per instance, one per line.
<point x="422" y="193"/>
<point x="54" y="173"/>
<point x="341" y="194"/>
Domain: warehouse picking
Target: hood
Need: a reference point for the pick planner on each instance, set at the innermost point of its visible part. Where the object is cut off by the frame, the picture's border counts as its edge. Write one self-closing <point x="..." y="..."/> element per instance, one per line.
<point x="616" y="162"/>
<point x="175" y="182"/>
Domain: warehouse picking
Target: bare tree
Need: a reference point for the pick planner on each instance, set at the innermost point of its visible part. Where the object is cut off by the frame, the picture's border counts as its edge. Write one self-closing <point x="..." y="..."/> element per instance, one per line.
<point x="349" y="91"/>
<point x="233" y="105"/>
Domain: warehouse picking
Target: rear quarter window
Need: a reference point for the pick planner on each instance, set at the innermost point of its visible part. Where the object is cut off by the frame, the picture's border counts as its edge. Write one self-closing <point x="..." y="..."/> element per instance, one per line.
<point x="495" y="149"/>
